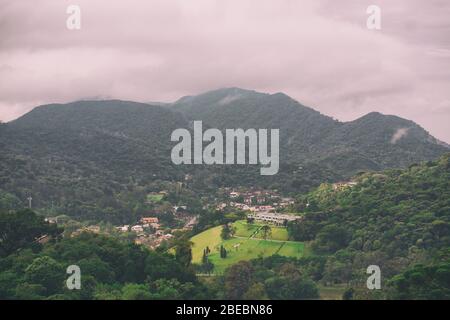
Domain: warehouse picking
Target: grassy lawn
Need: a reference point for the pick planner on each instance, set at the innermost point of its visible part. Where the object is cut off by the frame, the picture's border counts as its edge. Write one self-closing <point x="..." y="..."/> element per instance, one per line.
<point x="292" y="249"/>
<point x="154" y="197"/>
<point x="246" y="249"/>
<point x="246" y="230"/>
<point x="242" y="247"/>
<point x="279" y="234"/>
<point x="209" y="238"/>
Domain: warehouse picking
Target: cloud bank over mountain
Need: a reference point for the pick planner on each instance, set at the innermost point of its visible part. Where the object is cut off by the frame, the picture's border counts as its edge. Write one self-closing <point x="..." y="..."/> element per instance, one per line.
<point x="319" y="52"/>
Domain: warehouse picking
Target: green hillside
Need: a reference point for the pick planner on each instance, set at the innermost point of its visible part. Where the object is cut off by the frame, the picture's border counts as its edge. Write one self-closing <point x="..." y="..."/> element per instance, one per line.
<point x="310" y="139"/>
<point x="246" y="230"/>
<point x="97" y="160"/>
<point x="88" y="159"/>
<point x="397" y="219"/>
<point x="247" y="244"/>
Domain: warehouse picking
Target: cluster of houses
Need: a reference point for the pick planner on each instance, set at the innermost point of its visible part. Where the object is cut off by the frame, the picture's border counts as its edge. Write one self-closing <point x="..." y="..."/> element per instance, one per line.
<point x="254" y="196"/>
<point x="153" y="240"/>
<point x="149" y="232"/>
<point x="256" y="201"/>
<point x="261" y="205"/>
<point x="147" y="222"/>
<point x="245" y="207"/>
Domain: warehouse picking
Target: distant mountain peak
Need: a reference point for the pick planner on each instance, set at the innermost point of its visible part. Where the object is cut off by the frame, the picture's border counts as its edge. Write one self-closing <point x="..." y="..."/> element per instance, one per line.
<point x="234" y="90"/>
<point x="217" y="96"/>
<point x="374" y="114"/>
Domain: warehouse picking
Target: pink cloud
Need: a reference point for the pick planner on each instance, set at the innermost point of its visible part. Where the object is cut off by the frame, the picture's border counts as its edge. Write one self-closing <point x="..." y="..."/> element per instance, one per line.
<point x="318" y="52"/>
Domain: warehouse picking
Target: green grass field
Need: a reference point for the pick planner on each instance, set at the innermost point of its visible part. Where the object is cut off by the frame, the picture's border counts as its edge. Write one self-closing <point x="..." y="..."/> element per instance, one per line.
<point x="154" y="197"/>
<point x="246" y="230"/>
<point x="209" y="238"/>
<point x="292" y="249"/>
<point x="243" y="247"/>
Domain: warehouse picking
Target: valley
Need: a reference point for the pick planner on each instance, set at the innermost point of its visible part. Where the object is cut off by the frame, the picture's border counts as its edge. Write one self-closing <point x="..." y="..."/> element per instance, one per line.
<point x="107" y="197"/>
<point x="83" y="157"/>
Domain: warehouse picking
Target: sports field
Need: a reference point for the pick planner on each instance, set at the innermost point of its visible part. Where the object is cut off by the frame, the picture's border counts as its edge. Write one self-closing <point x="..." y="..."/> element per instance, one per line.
<point x="243" y="229"/>
<point x="246" y="245"/>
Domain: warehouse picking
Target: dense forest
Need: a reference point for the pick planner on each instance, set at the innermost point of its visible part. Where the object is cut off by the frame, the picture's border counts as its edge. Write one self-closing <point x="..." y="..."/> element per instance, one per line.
<point x="396" y="219"/>
<point x="112" y="269"/>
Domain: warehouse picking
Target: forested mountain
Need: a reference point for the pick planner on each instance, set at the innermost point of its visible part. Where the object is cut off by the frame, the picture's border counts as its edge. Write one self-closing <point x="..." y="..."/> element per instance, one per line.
<point x="372" y="142"/>
<point x="106" y="134"/>
<point x="376" y="141"/>
<point x="81" y="157"/>
<point x="396" y="219"/>
<point x="98" y="158"/>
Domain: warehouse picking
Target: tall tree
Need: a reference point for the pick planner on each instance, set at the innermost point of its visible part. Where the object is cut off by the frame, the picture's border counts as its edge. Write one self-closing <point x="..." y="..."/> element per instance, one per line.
<point x="238" y="279"/>
<point x="46" y="272"/>
<point x="205" y="257"/>
<point x="183" y="252"/>
<point x="223" y="252"/>
<point x="22" y="229"/>
<point x="227" y="231"/>
<point x="266" y="231"/>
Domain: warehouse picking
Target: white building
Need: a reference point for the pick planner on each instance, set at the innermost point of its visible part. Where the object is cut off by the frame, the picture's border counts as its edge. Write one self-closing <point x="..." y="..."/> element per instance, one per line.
<point x="137" y="228"/>
<point x="274" y="218"/>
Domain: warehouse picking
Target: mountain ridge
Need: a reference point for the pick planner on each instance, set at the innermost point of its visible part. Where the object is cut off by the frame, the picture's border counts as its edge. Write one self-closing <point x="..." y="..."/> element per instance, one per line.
<point x="88" y="150"/>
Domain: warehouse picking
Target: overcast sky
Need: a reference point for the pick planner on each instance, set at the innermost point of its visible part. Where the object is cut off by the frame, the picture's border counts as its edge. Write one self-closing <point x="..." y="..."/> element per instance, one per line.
<point x="319" y="52"/>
